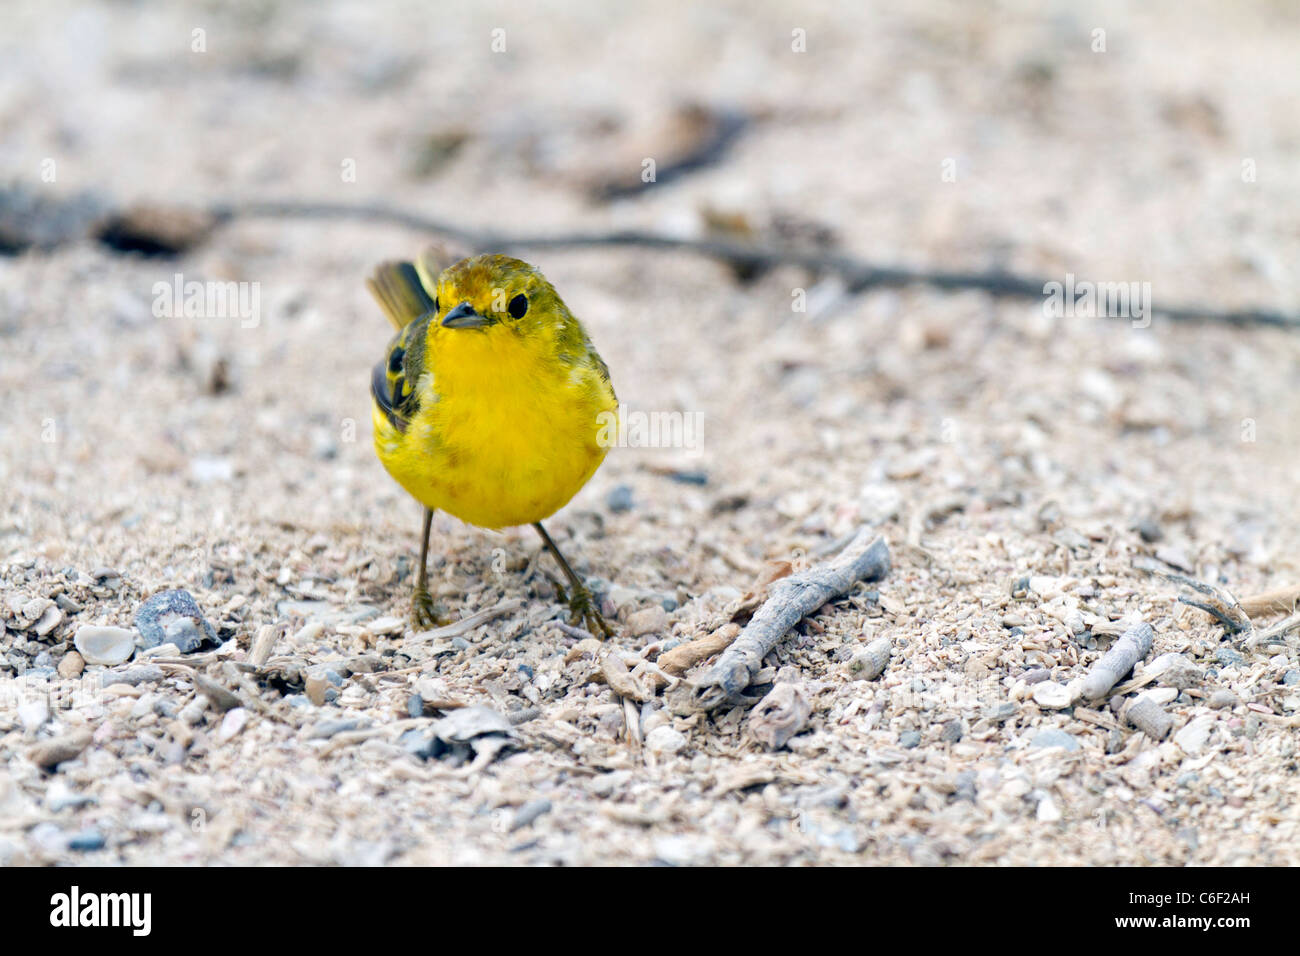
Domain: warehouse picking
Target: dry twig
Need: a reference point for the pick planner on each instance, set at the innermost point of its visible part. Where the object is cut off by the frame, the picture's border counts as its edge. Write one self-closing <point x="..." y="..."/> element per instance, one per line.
<point x="466" y="624"/>
<point x="1219" y="603"/>
<point x="789" y="601"/>
<point x="1279" y="601"/>
<point x="745" y="257"/>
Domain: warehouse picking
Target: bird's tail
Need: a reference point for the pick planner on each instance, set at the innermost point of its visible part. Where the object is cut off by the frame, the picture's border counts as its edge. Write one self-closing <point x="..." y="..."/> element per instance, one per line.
<point x="407" y="291"/>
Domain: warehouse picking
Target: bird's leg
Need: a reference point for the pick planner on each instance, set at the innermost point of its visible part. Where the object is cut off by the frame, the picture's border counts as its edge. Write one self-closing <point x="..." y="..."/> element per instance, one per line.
<point x="582" y="608"/>
<point x="424" y="613"/>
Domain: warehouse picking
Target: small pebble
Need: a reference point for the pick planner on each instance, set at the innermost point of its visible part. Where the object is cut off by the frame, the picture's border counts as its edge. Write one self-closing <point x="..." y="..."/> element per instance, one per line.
<point x="192" y="712"/>
<point x="33" y="714"/>
<point x="1224" y="698"/>
<point x="48" y="754"/>
<point x="652" y="721"/>
<point x="952" y="732"/>
<point x="650" y="620"/>
<point x="235" y="720"/>
<point x="1175" y="670"/>
<point x="1291" y="677"/>
<point x="690" y="477"/>
<point x="148" y="674"/>
<point x="1003" y="711"/>
<point x="909" y="739"/>
<point x="529" y="812"/>
<point x="86" y="840"/>
<point x="328" y="728"/>
<point x="665" y="740"/>
<point x="1195" y="735"/>
<point x="48" y="621"/>
<point x="1052" y="737"/>
<point x="319" y="688"/>
<point x="1048" y="811"/>
<point x="1149" y="531"/>
<point x="619" y="499"/>
<point x="1229" y="657"/>
<point x="1052" y="696"/>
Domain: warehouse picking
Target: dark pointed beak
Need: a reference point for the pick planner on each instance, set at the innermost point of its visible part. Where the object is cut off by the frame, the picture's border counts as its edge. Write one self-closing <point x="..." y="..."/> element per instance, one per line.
<point x="464" y="317"/>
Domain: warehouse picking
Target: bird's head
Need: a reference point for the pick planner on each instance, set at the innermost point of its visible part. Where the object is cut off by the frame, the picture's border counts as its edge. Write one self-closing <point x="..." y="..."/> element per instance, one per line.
<point x="489" y="300"/>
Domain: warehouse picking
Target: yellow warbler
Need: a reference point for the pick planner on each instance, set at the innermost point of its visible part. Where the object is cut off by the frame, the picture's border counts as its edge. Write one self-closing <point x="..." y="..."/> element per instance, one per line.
<point x="489" y="402"/>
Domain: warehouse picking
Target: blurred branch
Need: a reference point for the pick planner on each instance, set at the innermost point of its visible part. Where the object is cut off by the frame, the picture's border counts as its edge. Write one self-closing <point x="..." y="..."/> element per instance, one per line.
<point x="33" y="220"/>
<point x="857" y="274"/>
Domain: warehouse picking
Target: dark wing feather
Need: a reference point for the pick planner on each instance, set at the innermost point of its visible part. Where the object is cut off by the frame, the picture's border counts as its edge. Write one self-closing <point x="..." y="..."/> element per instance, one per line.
<point x="402" y="290"/>
<point x="394" y="377"/>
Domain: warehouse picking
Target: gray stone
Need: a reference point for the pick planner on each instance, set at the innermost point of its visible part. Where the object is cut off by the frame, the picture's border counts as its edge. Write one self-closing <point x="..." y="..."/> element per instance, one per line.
<point x="328" y="728"/>
<point x="1052" y="737"/>
<point x="1224" y="698"/>
<point x="529" y="812"/>
<point x="1229" y="657"/>
<point x="148" y="674"/>
<point x="909" y="739"/>
<point x="174" y="617"/>
<point x="619" y="499"/>
<point x="86" y="840"/>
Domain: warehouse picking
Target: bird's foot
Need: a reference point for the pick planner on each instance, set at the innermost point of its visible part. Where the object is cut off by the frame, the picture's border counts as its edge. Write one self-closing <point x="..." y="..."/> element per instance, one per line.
<point x="583" y="613"/>
<point x="425" y="613"/>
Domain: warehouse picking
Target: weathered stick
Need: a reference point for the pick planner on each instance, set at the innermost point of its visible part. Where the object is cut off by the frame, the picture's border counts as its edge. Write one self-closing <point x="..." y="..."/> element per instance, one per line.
<point x="1280" y="601"/>
<point x="1134" y="645"/>
<point x="466" y="624"/>
<point x="858" y="275"/>
<point x="1277" y="633"/>
<point x="28" y="219"/>
<point x="789" y="601"/>
<point x="685" y="656"/>
<point x="263" y="644"/>
<point x="1221" y="605"/>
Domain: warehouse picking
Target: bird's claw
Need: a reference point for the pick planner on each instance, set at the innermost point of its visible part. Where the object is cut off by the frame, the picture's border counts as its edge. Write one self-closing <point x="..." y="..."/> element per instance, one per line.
<point x="583" y="613"/>
<point x="425" y="614"/>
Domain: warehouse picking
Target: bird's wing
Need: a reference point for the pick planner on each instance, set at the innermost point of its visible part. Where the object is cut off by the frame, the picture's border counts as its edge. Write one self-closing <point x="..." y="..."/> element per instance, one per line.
<point x="394" y="381"/>
<point x="401" y="293"/>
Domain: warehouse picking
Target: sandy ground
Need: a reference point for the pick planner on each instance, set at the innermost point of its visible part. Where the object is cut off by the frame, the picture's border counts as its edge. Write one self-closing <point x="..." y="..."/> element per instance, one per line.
<point x="233" y="458"/>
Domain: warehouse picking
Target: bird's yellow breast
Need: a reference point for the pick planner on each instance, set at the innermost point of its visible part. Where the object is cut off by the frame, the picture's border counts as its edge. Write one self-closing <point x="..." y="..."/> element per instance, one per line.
<point x="504" y="435"/>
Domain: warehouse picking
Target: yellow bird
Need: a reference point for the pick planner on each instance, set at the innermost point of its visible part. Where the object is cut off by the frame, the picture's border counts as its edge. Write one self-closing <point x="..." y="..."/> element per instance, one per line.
<point x="490" y="403"/>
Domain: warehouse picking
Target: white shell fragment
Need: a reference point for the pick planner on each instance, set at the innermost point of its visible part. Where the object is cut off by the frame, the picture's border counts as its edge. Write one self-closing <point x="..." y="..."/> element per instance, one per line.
<point x="100" y="644"/>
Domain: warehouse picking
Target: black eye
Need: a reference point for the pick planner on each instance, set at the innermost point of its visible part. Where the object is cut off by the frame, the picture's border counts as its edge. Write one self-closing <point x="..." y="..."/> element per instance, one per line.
<point x="435" y="306"/>
<point x="395" y="359"/>
<point x="518" y="306"/>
